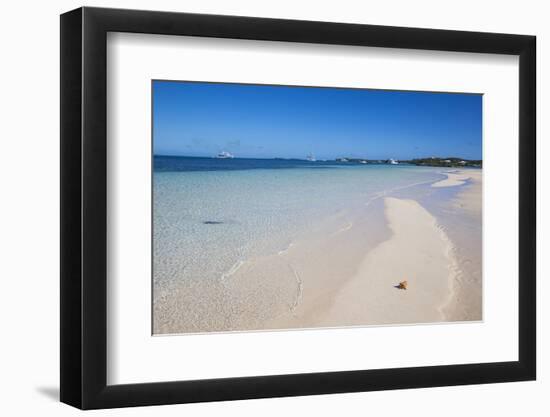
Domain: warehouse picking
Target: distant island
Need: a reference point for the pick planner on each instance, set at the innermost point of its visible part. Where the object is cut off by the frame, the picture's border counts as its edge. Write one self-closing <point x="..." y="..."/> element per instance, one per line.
<point x="449" y="162"/>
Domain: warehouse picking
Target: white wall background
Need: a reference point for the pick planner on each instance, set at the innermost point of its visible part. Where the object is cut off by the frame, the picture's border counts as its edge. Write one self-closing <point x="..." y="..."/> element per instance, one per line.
<point x="29" y="177"/>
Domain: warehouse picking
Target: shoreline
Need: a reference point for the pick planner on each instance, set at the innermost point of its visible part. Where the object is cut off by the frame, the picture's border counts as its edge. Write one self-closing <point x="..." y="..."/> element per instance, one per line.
<point x="347" y="272"/>
<point x="437" y="291"/>
<point x="456" y="177"/>
<point x="426" y="262"/>
<point x="467" y="304"/>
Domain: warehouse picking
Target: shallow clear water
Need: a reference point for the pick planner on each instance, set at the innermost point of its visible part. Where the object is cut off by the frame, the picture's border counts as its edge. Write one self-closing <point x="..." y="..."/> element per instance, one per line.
<point x="205" y="222"/>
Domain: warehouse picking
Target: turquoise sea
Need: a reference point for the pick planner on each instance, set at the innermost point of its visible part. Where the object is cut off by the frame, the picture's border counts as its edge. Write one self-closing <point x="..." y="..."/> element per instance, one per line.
<point x="211" y="215"/>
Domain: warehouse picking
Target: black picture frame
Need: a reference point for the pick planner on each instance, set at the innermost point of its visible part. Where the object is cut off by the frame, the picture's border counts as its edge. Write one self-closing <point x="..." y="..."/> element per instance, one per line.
<point x="84" y="207"/>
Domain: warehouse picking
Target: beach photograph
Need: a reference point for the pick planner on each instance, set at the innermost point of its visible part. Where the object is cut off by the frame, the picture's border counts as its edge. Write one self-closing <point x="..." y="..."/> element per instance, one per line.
<point x="279" y="208"/>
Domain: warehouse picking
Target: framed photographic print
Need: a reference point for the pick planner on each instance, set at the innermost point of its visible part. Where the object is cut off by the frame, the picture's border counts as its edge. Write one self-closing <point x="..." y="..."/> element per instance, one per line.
<point x="258" y="207"/>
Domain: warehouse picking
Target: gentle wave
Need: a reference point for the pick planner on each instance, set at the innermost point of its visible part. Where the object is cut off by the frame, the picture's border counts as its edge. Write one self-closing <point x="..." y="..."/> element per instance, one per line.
<point x="285" y="250"/>
<point x="236" y="266"/>
<point x="299" y="290"/>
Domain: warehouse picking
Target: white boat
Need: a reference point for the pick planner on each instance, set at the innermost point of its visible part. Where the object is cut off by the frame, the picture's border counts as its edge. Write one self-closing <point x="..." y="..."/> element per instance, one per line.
<point x="392" y="161"/>
<point x="310" y="158"/>
<point x="225" y="155"/>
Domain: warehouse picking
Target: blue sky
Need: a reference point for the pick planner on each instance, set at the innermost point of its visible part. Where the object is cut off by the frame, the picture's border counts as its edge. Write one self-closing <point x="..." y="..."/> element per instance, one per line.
<point x="255" y="121"/>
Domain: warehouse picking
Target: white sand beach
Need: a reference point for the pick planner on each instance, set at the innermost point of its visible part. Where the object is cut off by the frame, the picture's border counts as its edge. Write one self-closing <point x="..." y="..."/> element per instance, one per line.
<point x="470" y="198"/>
<point x="455" y="178"/>
<point x="418" y="252"/>
<point x="466" y="303"/>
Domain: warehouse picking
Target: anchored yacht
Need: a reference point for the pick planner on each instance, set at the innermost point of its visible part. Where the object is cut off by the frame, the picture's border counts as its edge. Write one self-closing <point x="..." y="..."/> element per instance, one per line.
<point x="225" y="155"/>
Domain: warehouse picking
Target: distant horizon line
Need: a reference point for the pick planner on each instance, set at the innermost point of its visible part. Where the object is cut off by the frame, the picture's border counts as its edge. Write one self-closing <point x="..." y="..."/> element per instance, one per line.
<point x="321" y="160"/>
